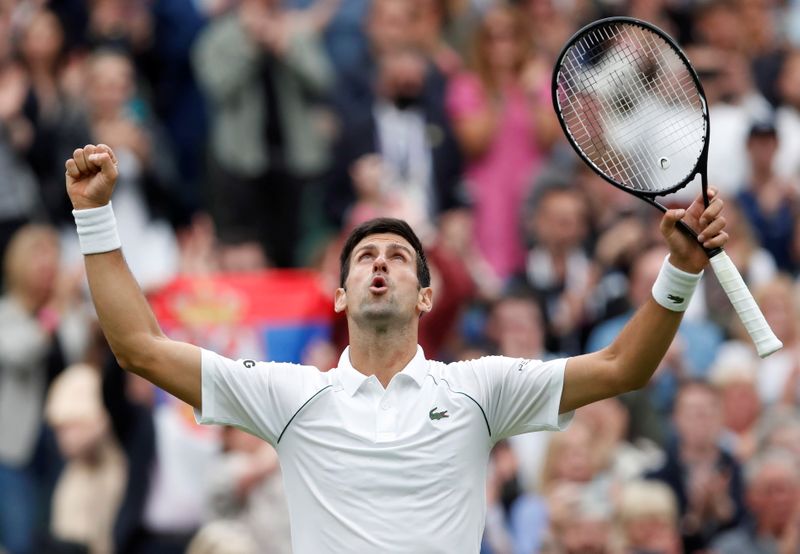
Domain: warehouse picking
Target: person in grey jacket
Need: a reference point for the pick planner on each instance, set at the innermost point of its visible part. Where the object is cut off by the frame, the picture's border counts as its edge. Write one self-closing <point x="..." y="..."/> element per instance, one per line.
<point x="29" y="358"/>
<point x="264" y="71"/>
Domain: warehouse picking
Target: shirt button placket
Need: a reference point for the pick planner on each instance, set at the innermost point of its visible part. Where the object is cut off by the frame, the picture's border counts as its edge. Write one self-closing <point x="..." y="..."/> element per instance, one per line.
<point x="386" y="421"/>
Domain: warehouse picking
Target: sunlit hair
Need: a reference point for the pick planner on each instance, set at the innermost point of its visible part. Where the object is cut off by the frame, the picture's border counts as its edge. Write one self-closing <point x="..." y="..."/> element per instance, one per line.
<point x="384" y="225"/>
<point x="29" y="240"/>
<point x="481" y="39"/>
<point x="647" y="499"/>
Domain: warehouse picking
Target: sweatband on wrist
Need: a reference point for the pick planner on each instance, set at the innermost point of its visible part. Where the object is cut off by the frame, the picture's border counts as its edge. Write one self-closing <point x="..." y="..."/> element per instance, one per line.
<point x="97" y="229"/>
<point x="674" y="288"/>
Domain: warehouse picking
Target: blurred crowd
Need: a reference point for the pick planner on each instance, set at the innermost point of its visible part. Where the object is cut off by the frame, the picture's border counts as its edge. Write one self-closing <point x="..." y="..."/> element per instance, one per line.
<point x="256" y="133"/>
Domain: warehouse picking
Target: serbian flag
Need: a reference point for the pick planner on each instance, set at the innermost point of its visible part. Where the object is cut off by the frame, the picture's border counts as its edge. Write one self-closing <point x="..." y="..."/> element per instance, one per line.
<point x="272" y="315"/>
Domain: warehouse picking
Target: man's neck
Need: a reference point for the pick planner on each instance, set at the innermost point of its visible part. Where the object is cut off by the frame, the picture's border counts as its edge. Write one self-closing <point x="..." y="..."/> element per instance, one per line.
<point x="381" y="353"/>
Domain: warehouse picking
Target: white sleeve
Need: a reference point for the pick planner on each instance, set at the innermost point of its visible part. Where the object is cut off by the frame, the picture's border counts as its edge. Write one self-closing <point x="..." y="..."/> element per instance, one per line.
<point x="259" y="397"/>
<point x="519" y="395"/>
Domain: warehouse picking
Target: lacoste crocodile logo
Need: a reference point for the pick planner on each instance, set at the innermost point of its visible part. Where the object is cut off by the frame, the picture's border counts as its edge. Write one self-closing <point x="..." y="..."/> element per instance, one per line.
<point x="676" y="299"/>
<point x="437" y="415"/>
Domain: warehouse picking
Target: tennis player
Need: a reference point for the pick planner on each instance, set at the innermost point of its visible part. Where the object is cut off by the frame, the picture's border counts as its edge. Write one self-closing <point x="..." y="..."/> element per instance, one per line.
<point x="387" y="452"/>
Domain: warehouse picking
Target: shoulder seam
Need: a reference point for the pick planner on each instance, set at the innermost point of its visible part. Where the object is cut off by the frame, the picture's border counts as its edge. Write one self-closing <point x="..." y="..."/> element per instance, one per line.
<point x="312" y="397"/>
<point x="483" y="413"/>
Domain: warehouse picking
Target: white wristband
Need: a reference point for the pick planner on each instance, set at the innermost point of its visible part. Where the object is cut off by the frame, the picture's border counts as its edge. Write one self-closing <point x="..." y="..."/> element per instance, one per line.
<point x="674" y="288"/>
<point x="97" y="229"/>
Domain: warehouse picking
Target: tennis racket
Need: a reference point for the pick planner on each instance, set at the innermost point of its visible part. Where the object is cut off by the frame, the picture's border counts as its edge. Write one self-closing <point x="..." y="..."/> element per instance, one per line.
<point x="634" y="110"/>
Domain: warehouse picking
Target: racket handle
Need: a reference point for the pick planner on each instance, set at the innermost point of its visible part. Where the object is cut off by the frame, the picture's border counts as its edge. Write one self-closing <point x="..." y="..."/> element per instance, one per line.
<point x="765" y="340"/>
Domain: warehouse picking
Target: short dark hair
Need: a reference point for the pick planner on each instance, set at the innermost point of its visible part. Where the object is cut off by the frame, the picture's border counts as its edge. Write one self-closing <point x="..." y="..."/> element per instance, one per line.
<point x="384" y="225"/>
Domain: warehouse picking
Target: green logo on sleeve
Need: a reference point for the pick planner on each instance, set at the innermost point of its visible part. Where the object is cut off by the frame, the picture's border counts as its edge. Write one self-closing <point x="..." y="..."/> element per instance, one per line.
<point x="437" y="415"/>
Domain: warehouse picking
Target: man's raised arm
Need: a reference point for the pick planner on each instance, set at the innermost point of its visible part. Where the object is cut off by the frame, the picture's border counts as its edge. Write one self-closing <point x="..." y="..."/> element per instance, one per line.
<point x="629" y="362"/>
<point x="125" y="316"/>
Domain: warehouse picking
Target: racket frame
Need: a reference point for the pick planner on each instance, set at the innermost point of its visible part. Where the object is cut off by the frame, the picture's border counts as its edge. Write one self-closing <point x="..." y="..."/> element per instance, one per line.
<point x="702" y="160"/>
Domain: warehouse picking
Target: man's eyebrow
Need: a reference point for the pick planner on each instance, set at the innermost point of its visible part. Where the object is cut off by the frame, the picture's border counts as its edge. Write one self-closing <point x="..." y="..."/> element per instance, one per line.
<point x="402" y="247"/>
<point x="368" y="246"/>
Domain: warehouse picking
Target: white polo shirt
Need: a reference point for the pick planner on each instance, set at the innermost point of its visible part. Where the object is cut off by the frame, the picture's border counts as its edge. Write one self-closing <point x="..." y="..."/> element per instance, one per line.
<point x="395" y="470"/>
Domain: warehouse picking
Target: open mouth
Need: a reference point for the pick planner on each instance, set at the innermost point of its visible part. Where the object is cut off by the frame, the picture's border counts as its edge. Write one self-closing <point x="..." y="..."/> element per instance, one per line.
<point x="378" y="285"/>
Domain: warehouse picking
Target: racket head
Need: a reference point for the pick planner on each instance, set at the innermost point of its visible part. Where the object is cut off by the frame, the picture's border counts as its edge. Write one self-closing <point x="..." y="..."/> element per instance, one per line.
<point x="632" y="106"/>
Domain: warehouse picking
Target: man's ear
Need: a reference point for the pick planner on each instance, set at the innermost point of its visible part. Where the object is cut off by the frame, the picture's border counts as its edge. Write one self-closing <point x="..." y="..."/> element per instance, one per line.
<point x="425" y="300"/>
<point x="340" y="300"/>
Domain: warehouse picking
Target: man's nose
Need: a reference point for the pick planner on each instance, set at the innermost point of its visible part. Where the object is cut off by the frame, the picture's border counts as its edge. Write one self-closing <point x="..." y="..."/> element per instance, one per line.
<point x="380" y="263"/>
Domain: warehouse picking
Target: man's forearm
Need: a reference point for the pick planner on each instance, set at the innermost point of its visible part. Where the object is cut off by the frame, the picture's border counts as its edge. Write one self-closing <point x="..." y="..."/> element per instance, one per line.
<point x="125" y="316"/>
<point x="642" y="343"/>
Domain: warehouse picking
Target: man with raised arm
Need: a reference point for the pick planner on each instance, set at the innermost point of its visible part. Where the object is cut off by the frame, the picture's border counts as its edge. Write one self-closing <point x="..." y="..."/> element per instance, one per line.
<point x="388" y="451"/>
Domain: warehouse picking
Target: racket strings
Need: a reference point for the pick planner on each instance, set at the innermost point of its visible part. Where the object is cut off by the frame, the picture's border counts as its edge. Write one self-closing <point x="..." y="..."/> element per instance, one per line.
<point x="608" y="159"/>
<point x="632" y="107"/>
<point x="635" y="87"/>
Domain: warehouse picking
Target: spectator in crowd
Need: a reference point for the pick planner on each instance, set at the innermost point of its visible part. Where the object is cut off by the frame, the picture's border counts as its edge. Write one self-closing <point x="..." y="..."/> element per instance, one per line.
<point x="779" y="429"/>
<point x="573" y="510"/>
<point x="504" y="123"/>
<point x="766" y="44"/>
<point x="386" y="26"/>
<point x="247" y="487"/>
<point x="734" y="376"/>
<point x="779" y="302"/>
<point x="502" y="491"/>
<point x="733" y="104"/>
<point x="30" y="357"/>
<point x="263" y="69"/>
<point x="128" y="403"/>
<point x="418" y="164"/>
<point x="56" y="121"/>
<point x="787" y="116"/>
<point x="550" y="23"/>
<point x="773" y="493"/>
<point x="433" y="20"/>
<point x="117" y="117"/>
<point x="167" y="455"/>
<point x="706" y="480"/>
<point x="612" y="453"/>
<point x="120" y="24"/>
<point x="769" y="201"/>
<point x="20" y="202"/>
<point x="90" y="488"/>
<point x="581" y="522"/>
<point x="175" y="93"/>
<point x="647" y="518"/>
<point x="558" y="269"/>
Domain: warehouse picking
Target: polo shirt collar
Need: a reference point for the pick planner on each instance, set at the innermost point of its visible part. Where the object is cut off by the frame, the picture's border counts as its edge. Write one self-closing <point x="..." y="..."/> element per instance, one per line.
<point x="352" y="379"/>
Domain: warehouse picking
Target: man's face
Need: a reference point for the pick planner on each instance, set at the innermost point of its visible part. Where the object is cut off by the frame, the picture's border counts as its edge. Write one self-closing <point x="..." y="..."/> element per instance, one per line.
<point x="382" y="287"/>
<point x="698" y="417"/>
<point x="773" y="496"/>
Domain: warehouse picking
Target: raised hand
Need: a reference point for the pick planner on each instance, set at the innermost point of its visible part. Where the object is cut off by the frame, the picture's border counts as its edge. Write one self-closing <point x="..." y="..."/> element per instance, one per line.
<point x="685" y="252"/>
<point x="91" y="175"/>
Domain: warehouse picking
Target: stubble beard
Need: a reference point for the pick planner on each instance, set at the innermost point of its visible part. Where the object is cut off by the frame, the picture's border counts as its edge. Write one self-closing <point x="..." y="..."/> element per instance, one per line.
<point x="380" y="315"/>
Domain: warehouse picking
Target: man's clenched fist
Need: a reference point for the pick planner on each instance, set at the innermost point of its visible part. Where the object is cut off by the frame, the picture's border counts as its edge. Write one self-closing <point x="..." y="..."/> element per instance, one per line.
<point x="91" y="176"/>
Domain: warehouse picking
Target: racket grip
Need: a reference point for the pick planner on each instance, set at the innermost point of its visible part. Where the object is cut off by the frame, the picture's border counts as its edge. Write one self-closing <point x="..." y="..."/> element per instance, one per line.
<point x="749" y="313"/>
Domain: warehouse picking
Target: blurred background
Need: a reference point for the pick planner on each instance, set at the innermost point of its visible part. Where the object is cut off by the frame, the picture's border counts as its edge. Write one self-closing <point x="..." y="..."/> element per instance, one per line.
<point x="252" y="135"/>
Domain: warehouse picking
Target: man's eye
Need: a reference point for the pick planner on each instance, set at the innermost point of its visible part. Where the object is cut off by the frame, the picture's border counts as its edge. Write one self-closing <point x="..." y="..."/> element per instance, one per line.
<point x="364" y="256"/>
<point x="399" y="257"/>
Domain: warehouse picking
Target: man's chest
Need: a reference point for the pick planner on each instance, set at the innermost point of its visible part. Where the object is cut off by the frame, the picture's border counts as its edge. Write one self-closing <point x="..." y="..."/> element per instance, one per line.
<point x="403" y="438"/>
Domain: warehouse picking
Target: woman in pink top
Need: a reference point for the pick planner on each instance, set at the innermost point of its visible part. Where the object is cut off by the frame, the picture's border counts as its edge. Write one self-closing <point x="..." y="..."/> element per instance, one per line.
<point x="504" y="122"/>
